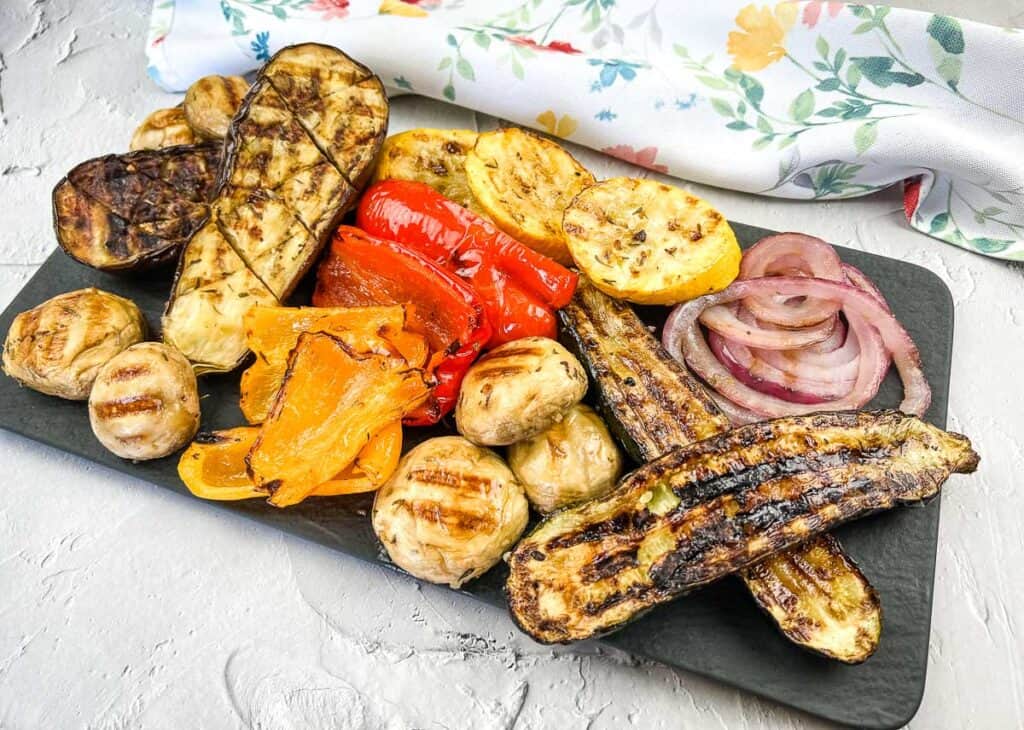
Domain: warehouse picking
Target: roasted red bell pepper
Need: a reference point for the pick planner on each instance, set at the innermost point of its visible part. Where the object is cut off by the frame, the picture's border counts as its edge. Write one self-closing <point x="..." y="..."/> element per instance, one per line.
<point x="519" y="286"/>
<point x="362" y="270"/>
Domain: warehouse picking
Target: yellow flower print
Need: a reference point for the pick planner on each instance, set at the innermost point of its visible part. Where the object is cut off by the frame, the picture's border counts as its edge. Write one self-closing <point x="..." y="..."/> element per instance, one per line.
<point x="563" y="127"/>
<point x="760" y="42"/>
<point x="397" y="7"/>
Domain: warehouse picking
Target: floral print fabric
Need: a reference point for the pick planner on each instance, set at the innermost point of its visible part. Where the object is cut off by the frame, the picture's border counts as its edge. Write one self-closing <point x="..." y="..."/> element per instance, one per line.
<point x="816" y="100"/>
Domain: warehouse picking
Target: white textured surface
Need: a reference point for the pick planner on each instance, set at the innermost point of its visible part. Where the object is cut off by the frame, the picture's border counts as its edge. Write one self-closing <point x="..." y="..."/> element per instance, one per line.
<point x="125" y="606"/>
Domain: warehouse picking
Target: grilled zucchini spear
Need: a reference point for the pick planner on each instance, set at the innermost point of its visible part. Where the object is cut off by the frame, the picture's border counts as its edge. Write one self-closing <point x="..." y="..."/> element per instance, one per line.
<point x="718" y="506"/>
<point x="817" y="596"/>
<point x="296" y="155"/>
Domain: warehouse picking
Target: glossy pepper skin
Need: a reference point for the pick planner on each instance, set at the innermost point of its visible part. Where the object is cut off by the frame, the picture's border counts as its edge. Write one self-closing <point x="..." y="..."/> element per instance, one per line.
<point x="520" y="287"/>
<point x="363" y="270"/>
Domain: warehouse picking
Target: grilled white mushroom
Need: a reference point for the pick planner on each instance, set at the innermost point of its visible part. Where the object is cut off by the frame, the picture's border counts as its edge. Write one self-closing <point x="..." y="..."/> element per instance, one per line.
<point x="163" y="128"/>
<point x="145" y="403"/>
<point x="212" y="102"/>
<point x="450" y="511"/>
<point x="574" y="460"/>
<point x="59" y="346"/>
<point x="518" y="390"/>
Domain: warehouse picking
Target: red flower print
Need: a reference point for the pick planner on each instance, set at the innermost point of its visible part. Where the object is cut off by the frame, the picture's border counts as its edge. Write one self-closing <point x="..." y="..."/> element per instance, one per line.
<point x="428" y="4"/>
<point x="812" y="11"/>
<point x="330" y="9"/>
<point x="557" y="46"/>
<point x="644" y="157"/>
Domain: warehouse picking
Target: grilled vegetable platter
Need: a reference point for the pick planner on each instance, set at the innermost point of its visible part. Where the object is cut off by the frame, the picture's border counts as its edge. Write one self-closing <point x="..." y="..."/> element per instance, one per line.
<point x="583" y="388"/>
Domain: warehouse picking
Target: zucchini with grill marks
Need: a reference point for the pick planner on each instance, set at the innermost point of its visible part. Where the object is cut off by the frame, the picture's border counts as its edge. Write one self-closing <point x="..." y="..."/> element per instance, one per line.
<point x="716" y="507"/>
<point x="649" y="401"/>
<point x="817" y="596"/>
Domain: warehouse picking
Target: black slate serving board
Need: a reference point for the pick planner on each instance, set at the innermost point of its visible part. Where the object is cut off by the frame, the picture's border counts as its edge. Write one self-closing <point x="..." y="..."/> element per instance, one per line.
<point x="718" y="631"/>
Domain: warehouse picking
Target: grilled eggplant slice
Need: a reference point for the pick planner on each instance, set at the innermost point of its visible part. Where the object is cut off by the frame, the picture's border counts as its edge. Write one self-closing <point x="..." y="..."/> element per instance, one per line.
<point x="134" y="211"/>
<point x="649" y="401"/>
<point x="216" y="302"/>
<point x="296" y="155"/>
<point x="653" y="405"/>
<point x="717" y="506"/>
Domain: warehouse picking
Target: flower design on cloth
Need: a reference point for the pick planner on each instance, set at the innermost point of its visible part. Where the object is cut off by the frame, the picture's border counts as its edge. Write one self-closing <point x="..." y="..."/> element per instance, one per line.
<point x="810" y="99"/>
<point x="760" y="42"/>
<point x="261" y="46"/>
<point x="408" y="8"/>
<point x="330" y="9"/>
<point x="643" y="157"/>
<point x="558" y="46"/>
<point x="812" y="11"/>
<point x="612" y="70"/>
<point x="560" y="127"/>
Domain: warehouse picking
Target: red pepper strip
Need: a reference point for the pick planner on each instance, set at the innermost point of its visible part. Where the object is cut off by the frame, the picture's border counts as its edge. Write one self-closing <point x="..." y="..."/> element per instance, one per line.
<point x="361" y="270"/>
<point x="519" y="285"/>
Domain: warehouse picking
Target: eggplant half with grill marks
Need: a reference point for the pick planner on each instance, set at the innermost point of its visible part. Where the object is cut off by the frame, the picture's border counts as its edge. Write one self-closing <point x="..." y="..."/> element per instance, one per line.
<point x="817" y="595"/>
<point x="135" y="211"/>
<point x="716" y="507"/>
<point x="296" y="156"/>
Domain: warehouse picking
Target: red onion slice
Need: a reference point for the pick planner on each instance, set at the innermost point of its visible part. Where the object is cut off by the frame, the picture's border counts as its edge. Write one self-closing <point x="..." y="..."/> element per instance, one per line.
<point x="789" y="254"/>
<point x="859" y="279"/>
<point x="877" y="333"/>
<point x="731" y="324"/>
<point x="750" y="370"/>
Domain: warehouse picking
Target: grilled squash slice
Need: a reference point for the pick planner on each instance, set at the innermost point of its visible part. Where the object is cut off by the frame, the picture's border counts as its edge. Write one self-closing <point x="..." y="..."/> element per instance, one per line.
<point x="715" y="507"/>
<point x="296" y="155"/>
<point x="650" y="243"/>
<point x="134" y="211"/>
<point x="523" y="182"/>
<point x="817" y="596"/>
<point x="436" y="157"/>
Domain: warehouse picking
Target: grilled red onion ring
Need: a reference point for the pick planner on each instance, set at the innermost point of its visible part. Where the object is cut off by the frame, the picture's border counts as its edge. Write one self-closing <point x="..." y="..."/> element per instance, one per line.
<point x="791" y="254"/>
<point x="878" y="335"/>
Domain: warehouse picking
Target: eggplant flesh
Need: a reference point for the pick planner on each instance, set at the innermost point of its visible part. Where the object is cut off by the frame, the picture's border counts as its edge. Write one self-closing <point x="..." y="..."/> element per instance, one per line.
<point x="137" y="210"/>
<point x="296" y="155"/>
<point x="816" y="594"/>
<point x="716" y="507"/>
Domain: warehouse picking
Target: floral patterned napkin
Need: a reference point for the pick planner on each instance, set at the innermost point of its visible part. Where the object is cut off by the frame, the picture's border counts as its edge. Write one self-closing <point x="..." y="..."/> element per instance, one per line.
<point x="815" y="100"/>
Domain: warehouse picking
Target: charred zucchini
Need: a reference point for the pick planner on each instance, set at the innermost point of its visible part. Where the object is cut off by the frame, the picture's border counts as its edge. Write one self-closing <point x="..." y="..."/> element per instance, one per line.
<point x="296" y="155"/>
<point x="137" y="210"/>
<point x="649" y="401"/>
<point x="817" y="596"/>
<point x="718" y="506"/>
<point x="820" y="599"/>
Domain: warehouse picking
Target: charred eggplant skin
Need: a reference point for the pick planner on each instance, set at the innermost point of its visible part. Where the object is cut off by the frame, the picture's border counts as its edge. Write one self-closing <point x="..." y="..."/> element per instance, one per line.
<point x="134" y="211"/>
<point x="816" y="595"/>
<point x="717" y="506"/>
<point x="649" y="401"/>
